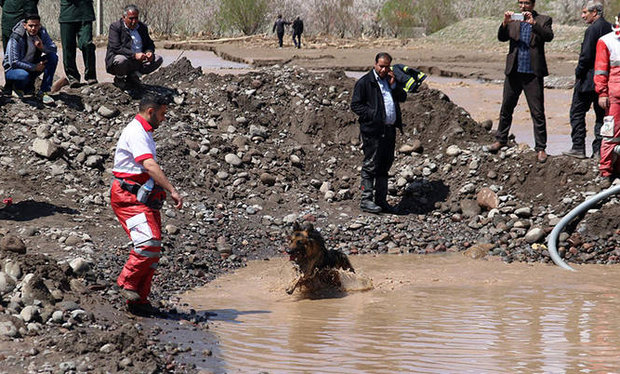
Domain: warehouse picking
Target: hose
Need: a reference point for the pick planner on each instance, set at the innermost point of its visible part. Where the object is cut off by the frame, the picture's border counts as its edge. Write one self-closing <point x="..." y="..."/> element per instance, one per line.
<point x="581" y="208"/>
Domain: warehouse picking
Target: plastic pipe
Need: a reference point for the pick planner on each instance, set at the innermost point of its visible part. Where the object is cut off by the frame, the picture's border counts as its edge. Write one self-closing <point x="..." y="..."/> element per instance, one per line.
<point x="581" y="208"/>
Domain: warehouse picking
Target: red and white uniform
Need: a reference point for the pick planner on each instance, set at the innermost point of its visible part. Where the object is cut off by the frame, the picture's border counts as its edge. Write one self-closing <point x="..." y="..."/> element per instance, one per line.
<point x="607" y="84"/>
<point x="142" y="223"/>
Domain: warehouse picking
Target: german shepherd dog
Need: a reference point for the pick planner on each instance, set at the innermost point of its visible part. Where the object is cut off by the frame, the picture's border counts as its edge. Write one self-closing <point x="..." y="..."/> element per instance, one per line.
<point x="316" y="264"/>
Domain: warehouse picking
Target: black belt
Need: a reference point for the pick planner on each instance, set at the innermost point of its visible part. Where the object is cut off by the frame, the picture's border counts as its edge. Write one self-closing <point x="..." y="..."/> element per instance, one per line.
<point x="129" y="187"/>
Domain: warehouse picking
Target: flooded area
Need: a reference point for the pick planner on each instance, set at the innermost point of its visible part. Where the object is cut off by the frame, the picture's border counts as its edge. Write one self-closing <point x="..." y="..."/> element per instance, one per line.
<point x="426" y="314"/>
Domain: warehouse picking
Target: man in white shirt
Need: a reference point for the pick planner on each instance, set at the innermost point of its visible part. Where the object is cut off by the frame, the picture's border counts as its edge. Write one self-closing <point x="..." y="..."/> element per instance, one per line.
<point x="135" y="164"/>
<point x="131" y="51"/>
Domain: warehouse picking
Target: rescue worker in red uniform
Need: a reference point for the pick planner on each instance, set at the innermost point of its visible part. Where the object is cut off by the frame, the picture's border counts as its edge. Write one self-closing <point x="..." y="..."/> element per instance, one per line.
<point x="135" y="163"/>
<point x="607" y="86"/>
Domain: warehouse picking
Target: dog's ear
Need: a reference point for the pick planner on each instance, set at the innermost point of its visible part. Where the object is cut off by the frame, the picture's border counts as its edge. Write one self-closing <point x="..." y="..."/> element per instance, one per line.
<point x="308" y="227"/>
<point x="296" y="226"/>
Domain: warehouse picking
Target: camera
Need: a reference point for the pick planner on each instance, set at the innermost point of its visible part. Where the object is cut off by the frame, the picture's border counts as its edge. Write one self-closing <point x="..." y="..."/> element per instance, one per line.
<point x="517" y="17"/>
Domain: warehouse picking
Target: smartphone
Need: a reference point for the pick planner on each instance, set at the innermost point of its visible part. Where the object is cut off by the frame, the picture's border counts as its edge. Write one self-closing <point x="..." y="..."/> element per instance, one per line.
<point x="517" y="17"/>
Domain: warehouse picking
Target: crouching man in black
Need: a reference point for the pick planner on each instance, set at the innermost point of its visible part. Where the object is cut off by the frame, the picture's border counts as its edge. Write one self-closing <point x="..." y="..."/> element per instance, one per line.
<point x="376" y="101"/>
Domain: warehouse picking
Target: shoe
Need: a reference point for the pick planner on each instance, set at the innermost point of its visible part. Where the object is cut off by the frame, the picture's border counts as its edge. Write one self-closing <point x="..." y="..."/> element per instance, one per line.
<point x="495" y="147"/>
<point x="145" y="310"/>
<point x="133" y="79"/>
<point x="575" y="153"/>
<point x="387" y="208"/>
<point x="20" y="94"/>
<point x="7" y="89"/>
<point x="541" y="157"/>
<point x="59" y="84"/>
<point x="90" y="82"/>
<point x="130" y="295"/>
<point x="74" y="83"/>
<point x="45" y="98"/>
<point x="370" y="207"/>
<point x="120" y="82"/>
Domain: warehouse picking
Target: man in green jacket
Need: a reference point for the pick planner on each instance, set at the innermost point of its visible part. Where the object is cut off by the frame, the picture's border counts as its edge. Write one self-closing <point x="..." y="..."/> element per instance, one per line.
<point x="76" y="30"/>
<point x="13" y="11"/>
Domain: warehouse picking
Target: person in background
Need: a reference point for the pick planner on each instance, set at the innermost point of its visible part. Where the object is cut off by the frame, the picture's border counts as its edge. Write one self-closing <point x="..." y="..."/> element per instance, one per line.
<point x="584" y="96"/>
<point x="526" y="68"/>
<point x="76" y="31"/>
<point x="29" y="53"/>
<point x="298" y="29"/>
<point x="131" y="51"/>
<point x="278" y="28"/>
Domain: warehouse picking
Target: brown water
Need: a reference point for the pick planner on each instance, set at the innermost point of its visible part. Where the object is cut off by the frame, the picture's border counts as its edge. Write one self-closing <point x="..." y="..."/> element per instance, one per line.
<point x="426" y="314"/>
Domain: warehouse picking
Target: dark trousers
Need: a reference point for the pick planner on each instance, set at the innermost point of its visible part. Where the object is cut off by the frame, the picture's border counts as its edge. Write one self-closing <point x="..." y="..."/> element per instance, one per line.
<point x="280" y="37"/>
<point x="532" y="85"/>
<point x="378" y="159"/>
<point x="582" y="101"/>
<point x="78" y="35"/>
<point x="297" y="40"/>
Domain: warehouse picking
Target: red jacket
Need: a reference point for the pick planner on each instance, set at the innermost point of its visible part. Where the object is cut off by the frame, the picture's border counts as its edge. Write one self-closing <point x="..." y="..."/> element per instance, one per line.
<point x="607" y="66"/>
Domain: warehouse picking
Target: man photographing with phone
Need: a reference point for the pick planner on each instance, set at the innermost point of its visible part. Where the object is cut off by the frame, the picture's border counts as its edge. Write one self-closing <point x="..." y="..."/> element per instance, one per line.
<point x="526" y="68"/>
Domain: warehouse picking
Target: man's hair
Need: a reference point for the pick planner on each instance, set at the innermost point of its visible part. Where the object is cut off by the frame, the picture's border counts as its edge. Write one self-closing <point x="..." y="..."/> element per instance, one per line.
<point x="152" y="101"/>
<point x="595" y="5"/>
<point x="130" y="8"/>
<point x="32" y="16"/>
<point x="381" y="55"/>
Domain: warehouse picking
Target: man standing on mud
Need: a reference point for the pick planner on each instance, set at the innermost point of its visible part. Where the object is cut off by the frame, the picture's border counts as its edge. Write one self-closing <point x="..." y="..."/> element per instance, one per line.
<point x="135" y="168"/>
<point x="526" y="68"/>
<point x="376" y="101"/>
<point x="278" y="28"/>
<point x="583" y="93"/>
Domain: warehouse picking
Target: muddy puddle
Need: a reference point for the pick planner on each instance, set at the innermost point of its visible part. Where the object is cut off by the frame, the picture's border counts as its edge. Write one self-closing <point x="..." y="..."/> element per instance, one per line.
<point x="425" y="314"/>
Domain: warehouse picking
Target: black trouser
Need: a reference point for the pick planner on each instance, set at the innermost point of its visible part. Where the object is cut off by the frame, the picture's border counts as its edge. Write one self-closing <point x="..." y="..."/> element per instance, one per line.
<point x="78" y="35"/>
<point x="578" y="109"/>
<point x="532" y="85"/>
<point x="378" y="159"/>
<point x="297" y="40"/>
<point x="280" y="37"/>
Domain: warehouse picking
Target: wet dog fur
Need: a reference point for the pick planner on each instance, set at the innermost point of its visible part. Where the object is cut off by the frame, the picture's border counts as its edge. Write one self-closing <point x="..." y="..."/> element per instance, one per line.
<point x="316" y="264"/>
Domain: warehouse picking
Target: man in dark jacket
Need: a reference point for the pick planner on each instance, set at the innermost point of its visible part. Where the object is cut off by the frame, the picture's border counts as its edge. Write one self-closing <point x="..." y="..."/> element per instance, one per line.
<point x="376" y="101"/>
<point x="526" y="68"/>
<point x="76" y="30"/>
<point x="298" y="29"/>
<point x="583" y="92"/>
<point x="14" y="11"/>
<point x="278" y="28"/>
<point x="131" y="51"/>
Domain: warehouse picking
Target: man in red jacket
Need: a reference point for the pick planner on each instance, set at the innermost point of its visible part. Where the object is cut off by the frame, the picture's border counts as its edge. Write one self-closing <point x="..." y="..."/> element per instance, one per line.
<point x="607" y="86"/>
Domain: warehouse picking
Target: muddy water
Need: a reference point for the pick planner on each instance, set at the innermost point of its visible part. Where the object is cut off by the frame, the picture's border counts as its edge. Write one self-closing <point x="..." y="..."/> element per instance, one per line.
<point x="426" y="314"/>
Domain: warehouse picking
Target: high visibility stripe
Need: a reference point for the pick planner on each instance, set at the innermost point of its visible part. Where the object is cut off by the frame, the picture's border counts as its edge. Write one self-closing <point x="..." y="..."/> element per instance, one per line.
<point x="154" y="265"/>
<point x="150" y="243"/>
<point x="410" y="83"/>
<point x="614" y="63"/>
<point x="147" y="253"/>
<point x="612" y="140"/>
<point x="601" y="72"/>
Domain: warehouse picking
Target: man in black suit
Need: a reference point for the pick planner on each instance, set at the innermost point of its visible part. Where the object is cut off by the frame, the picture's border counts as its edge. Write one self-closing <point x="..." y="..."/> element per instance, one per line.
<point x="526" y="68"/>
<point x="583" y="93"/>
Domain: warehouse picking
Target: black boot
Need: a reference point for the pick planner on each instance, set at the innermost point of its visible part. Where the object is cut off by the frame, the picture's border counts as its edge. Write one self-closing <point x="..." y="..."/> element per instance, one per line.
<point x="381" y="190"/>
<point x="367" y="205"/>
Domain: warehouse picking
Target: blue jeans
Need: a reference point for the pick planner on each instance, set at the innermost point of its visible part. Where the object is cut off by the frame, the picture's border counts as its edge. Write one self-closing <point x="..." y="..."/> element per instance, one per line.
<point x="23" y="79"/>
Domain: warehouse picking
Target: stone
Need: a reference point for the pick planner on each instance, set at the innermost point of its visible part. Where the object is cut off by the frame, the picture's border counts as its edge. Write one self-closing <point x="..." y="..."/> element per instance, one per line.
<point x="13" y="269"/>
<point x="106" y="112"/>
<point x="172" y="229"/>
<point x="45" y="148"/>
<point x="534" y="235"/>
<point x="478" y="250"/>
<point x="406" y="149"/>
<point x="487" y="199"/>
<point x="7" y="284"/>
<point x="295" y="160"/>
<point x="8" y="328"/>
<point x="73" y="240"/>
<point x="232" y="159"/>
<point x="260" y="131"/>
<point x="524" y="212"/>
<point x="470" y="208"/>
<point x="57" y="316"/>
<point x="453" y="150"/>
<point x="79" y="265"/>
<point x="29" y="313"/>
<point x="12" y="243"/>
<point x="267" y="179"/>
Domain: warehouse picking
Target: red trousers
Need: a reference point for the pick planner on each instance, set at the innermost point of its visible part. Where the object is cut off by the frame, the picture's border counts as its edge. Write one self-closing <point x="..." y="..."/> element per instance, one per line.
<point x="143" y="225"/>
<point x="609" y="164"/>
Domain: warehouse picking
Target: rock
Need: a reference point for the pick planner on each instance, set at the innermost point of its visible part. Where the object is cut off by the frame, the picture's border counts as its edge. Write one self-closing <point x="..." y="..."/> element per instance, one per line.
<point x="106" y="112"/>
<point x="46" y="148"/>
<point x="524" y="212"/>
<point x="295" y="160"/>
<point x="487" y="124"/>
<point x="232" y="159"/>
<point x="7" y="284"/>
<point x="478" y="250"/>
<point x="487" y="199"/>
<point x="417" y="147"/>
<point x="73" y="240"/>
<point x="267" y="179"/>
<point x="534" y="235"/>
<point x="470" y="208"/>
<point x="29" y="313"/>
<point x="453" y="150"/>
<point x="12" y="243"/>
<point x="79" y="315"/>
<point x="222" y="246"/>
<point x="260" y="131"/>
<point x="57" y="316"/>
<point x="79" y="265"/>
<point x="33" y="288"/>
<point x="406" y="149"/>
<point x="13" y="269"/>
<point x="172" y="229"/>
<point x="8" y="328"/>
<point x="94" y="161"/>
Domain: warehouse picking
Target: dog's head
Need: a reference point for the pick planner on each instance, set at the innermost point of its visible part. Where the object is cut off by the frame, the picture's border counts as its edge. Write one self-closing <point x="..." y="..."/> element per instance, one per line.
<point x="305" y="244"/>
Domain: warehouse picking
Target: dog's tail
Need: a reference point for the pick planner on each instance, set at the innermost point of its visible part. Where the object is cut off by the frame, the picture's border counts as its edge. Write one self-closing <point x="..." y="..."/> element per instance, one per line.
<point x="339" y="260"/>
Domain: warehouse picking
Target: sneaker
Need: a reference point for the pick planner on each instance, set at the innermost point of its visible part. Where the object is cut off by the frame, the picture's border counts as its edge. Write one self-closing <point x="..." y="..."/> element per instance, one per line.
<point x="575" y="153"/>
<point x="45" y="98"/>
<point x="130" y="295"/>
